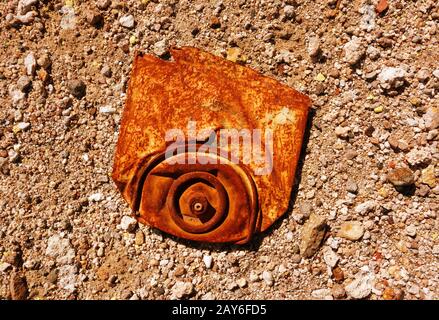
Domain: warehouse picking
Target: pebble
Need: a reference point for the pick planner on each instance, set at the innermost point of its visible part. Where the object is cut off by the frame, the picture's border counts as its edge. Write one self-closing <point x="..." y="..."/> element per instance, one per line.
<point x="160" y="48"/>
<point x="16" y="96"/>
<point x="77" y="88"/>
<point x="103" y="4"/>
<point x="289" y="11"/>
<point x="411" y="231"/>
<point x="96" y="197"/>
<point x="342" y="132"/>
<point x="30" y="64"/>
<point x="354" y="51"/>
<point x="267" y="277"/>
<point x="208" y="296"/>
<point x="312" y="235"/>
<point x="182" y="289"/>
<point x="127" y="21"/>
<point x="107" y="110"/>
<point x="21" y="126"/>
<point x="24" y="6"/>
<point x="351" y="230"/>
<point x="18" y="287"/>
<point x="44" y="61"/>
<point x="140" y="238"/>
<point x="322" y="294"/>
<point x="401" y="177"/>
<point x="391" y="77"/>
<point x="428" y="177"/>
<point x="313" y="47"/>
<point x="60" y="249"/>
<point x="338" y="291"/>
<point x="207" y="261"/>
<point x="128" y="223"/>
<point x="24" y="83"/>
<point x="4" y="266"/>
<point x="365" y="207"/>
<point x="431" y="118"/>
<point x="361" y="286"/>
<point x="95" y="19"/>
<point x="242" y="282"/>
<point x="106" y="71"/>
<point x="320" y="77"/>
<point x="67" y="277"/>
<point x="330" y="257"/>
<point x="351" y="186"/>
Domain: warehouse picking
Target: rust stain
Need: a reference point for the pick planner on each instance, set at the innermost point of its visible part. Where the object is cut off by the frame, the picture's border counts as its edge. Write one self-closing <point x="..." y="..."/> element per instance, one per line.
<point x="201" y="200"/>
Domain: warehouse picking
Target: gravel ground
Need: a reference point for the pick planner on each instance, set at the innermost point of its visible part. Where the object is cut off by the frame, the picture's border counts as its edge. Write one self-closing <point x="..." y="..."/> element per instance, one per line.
<point x="364" y="223"/>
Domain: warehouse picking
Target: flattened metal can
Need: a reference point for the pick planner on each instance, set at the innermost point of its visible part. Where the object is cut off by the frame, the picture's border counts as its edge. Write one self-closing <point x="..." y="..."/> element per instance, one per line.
<point x="207" y="148"/>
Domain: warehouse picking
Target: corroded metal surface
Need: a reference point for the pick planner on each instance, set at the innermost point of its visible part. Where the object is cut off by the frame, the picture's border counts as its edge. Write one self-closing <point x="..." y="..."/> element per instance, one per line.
<point x="222" y="202"/>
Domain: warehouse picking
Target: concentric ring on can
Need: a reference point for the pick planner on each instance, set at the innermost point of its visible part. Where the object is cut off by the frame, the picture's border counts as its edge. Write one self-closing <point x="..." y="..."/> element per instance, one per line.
<point x="198" y="202"/>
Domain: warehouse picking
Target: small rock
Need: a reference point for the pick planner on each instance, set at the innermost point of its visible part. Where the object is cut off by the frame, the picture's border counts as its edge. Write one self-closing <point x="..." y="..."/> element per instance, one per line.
<point x="96" y="197"/>
<point x="391" y="77"/>
<point x="312" y="235"/>
<point x="24" y="6"/>
<point x="338" y="274"/>
<point x="354" y="51"/>
<point x="24" y="83"/>
<point x="428" y="177"/>
<point x="289" y="11"/>
<point x="411" y="231"/>
<point x="242" y="282"/>
<point x="338" y="291"/>
<point x="296" y="258"/>
<point x="361" y="287"/>
<point x="44" y="61"/>
<point x="182" y="289"/>
<point x="107" y="110"/>
<point x="103" y="4"/>
<point x="267" y="277"/>
<point x="419" y="156"/>
<point x="423" y="75"/>
<point x="322" y="294"/>
<point x="67" y="277"/>
<point x="381" y="6"/>
<point x="351" y="186"/>
<point x="207" y="261"/>
<point x="330" y="257"/>
<point x="431" y="118"/>
<point x="365" y="207"/>
<point x="30" y="63"/>
<point x="106" y="71"/>
<point x="128" y="223"/>
<point x="351" y="230"/>
<point x="95" y="19"/>
<point x="342" y="132"/>
<point x="401" y="177"/>
<point x="52" y="277"/>
<point x="4" y="266"/>
<point x="21" y="126"/>
<point x="313" y="47"/>
<point x="18" y="287"/>
<point x="60" y="249"/>
<point x="160" y="47"/>
<point x="77" y="88"/>
<point x="140" y="238"/>
<point x="127" y="21"/>
<point x="305" y="209"/>
<point x="208" y="296"/>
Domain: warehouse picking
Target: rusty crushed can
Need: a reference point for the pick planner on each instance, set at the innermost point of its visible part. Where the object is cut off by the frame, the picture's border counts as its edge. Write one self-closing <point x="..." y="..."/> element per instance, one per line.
<point x="208" y="148"/>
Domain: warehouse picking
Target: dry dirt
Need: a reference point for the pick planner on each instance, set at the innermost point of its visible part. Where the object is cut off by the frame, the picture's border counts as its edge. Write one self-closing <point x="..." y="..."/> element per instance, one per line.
<point x="374" y="82"/>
